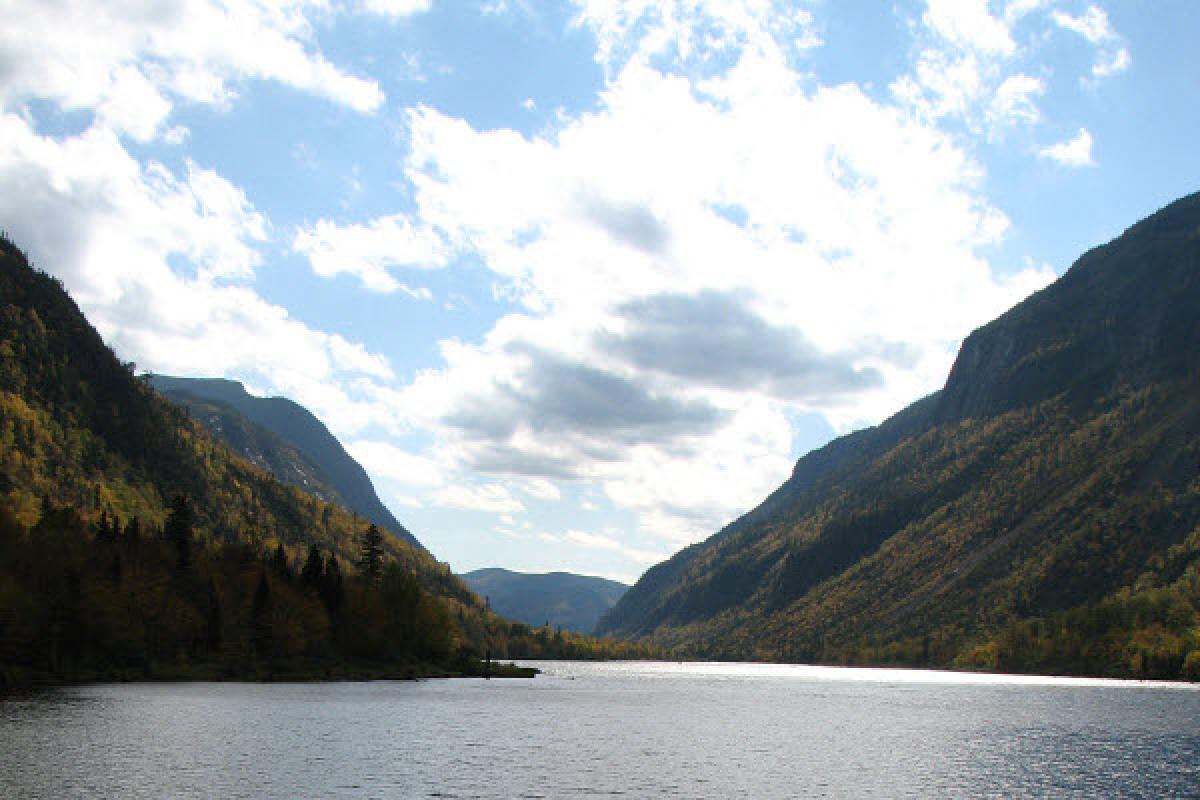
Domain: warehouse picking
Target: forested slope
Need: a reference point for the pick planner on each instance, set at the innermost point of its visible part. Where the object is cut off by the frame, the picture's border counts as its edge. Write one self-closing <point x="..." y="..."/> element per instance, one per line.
<point x="1054" y="481"/>
<point x="77" y="425"/>
<point x="285" y="439"/>
<point x="134" y="544"/>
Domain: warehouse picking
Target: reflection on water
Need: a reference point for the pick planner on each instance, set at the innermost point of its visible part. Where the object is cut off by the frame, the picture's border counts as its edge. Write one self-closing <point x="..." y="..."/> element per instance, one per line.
<point x="639" y="730"/>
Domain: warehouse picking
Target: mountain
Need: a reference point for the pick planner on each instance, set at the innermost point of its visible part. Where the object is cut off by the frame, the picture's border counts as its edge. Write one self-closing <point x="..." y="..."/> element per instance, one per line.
<point x="1041" y="512"/>
<point x="77" y="427"/>
<point x="285" y="439"/>
<point x="135" y="544"/>
<point x="557" y="599"/>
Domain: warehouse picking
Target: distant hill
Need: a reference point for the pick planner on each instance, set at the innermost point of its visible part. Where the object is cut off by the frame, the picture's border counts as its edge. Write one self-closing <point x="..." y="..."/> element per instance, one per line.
<point x="559" y="599"/>
<point x="285" y="439"/>
<point x="1039" y="513"/>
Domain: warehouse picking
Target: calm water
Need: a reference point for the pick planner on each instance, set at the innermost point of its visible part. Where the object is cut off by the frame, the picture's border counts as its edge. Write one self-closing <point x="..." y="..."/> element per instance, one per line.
<point x="638" y="730"/>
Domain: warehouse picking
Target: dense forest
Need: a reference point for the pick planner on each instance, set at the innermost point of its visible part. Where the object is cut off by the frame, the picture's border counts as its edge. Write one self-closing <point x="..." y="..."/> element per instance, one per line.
<point x="1040" y="513"/>
<point x="135" y="544"/>
<point x="117" y="601"/>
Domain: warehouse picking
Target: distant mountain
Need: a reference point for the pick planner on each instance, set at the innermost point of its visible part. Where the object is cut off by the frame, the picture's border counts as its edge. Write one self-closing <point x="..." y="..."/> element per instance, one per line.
<point x="285" y="439"/>
<point x="560" y="599"/>
<point x="1041" y="512"/>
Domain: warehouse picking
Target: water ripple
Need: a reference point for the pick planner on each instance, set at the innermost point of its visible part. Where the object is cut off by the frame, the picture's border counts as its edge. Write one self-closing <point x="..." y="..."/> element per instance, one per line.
<point x="638" y="730"/>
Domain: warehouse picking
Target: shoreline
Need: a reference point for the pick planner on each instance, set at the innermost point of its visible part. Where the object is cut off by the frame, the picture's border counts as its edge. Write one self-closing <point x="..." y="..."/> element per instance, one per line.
<point x="21" y="681"/>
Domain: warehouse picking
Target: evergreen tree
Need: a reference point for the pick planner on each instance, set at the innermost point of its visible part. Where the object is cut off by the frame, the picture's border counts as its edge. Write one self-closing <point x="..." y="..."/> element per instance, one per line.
<point x="260" y="618"/>
<point x="212" y="618"/>
<point x="331" y="586"/>
<point x="179" y="530"/>
<point x="314" y="567"/>
<point x="279" y="563"/>
<point x="133" y="531"/>
<point x="371" y="554"/>
<point x="105" y="530"/>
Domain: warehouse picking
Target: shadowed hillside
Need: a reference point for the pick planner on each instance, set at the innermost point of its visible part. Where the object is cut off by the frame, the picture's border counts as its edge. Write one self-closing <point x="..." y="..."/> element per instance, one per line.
<point x="285" y="439"/>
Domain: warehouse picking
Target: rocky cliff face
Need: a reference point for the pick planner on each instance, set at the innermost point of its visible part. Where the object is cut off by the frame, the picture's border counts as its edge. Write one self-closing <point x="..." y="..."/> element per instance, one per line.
<point x="1125" y="314"/>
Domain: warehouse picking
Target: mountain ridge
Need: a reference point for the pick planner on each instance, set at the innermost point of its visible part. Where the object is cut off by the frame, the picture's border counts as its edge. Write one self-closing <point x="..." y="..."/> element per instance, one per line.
<point x="325" y="468"/>
<point x="78" y="426"/>
<point x="1056" y="467"/>
<point x="558" y="599"/>
<point x="134" y="544"/>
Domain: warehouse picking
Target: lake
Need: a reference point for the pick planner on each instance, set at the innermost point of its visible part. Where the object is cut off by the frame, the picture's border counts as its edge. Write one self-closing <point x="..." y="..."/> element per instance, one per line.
<point x="619" y="729"/>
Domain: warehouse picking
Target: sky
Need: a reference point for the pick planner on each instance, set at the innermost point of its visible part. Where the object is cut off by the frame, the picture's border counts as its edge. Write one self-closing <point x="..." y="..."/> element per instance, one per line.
<point x="577" y="282"/>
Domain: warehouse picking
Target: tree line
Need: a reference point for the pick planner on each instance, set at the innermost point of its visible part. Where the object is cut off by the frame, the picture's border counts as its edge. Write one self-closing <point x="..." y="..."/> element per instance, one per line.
<point x="113" y="599"/>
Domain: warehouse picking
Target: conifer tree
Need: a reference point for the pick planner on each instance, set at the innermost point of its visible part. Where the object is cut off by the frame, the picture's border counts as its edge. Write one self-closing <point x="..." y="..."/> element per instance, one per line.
<point x="260" y="618"/>
<point x="279" y="563"/>
<point x="314" y="567"/>
<point x="212" y="618"/>
<point x="370" y="559"/>
<point x="133" y="531"/>
<point x="331" y="586"/>
<point x="178" y="530"/>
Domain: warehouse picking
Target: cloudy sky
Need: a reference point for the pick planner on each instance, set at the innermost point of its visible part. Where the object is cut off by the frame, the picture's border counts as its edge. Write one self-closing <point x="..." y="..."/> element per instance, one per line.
<point x="577" y="282"/>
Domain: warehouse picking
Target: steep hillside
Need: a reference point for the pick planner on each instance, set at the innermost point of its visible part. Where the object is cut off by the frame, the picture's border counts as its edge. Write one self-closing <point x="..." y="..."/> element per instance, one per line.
<point x="1057" y="471"/>
<point x="78" y="427"/>
<point x="285" y="439"/>
<point x="134" y="544"/>
<point x="257" y="445"/>
<point x="557" y="599"/>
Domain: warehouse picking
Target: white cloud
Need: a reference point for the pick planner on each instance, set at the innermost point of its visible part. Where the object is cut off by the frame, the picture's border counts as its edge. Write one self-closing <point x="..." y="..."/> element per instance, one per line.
<point x="692" y="31"/>
<point x="396" y="9"/>
<point x="709" y="167"/>
<point x="1017" y="9"/>
<point x="969" y="25"/>
<point x="111" y="229"/>
<point x="130" y="62"/>
<point x="1076" y="152"/>
<point x="176" y="135"/>
<point x="595" y="541"/>
<point x="1015" y="99"/>
<point x="492" y="498"/>
<point x="541" y="489"/>
<point x="133" y="104"/>
<point x="1118" y="61"/>
<point x="388" y="461"/>
<point x="841" y="203"/>
<point x="368" y="251"/>
<point x="969" y="68"/>
<point x="1094" y="26"/>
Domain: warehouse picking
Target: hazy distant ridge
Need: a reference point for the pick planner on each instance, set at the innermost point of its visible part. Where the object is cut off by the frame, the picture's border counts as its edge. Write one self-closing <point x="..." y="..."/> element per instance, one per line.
<point x="562" y="599"/>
